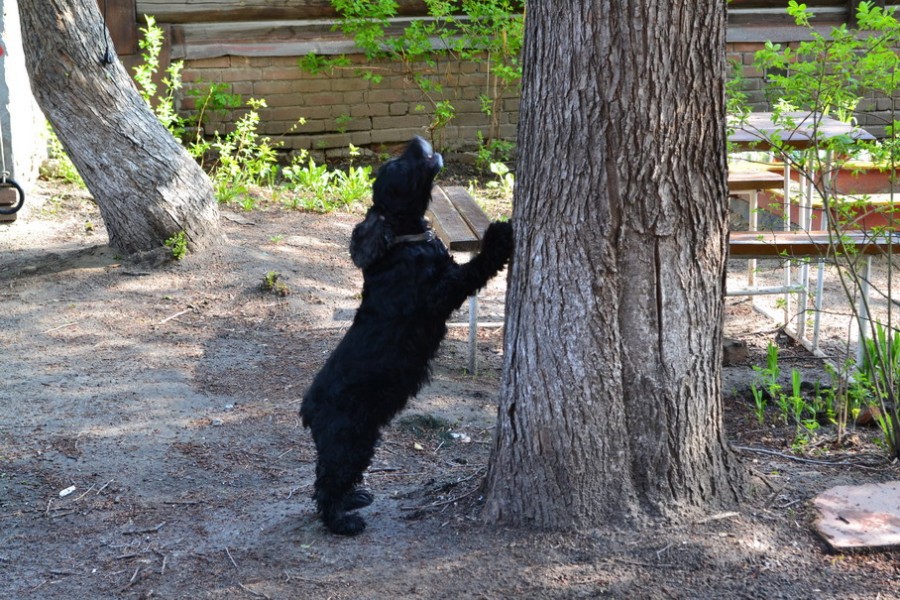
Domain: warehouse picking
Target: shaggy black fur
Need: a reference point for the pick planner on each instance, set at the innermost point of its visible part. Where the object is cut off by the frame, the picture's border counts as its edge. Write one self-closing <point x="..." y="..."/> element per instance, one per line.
<point x="411" y="286"/>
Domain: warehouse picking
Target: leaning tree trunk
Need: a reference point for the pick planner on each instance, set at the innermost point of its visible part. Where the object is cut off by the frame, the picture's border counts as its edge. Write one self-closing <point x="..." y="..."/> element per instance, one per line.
<point x="611" y="399"/>
<point x="147" y="186"/>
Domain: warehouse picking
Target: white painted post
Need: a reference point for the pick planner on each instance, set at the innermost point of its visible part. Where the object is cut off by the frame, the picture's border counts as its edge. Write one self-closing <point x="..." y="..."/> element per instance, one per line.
<point x="24" y="144"/>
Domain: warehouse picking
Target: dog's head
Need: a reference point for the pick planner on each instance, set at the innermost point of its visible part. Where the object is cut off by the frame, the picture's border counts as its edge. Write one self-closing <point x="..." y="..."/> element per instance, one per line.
<point x="400" y="196"/>
<point x="403" y="185"/>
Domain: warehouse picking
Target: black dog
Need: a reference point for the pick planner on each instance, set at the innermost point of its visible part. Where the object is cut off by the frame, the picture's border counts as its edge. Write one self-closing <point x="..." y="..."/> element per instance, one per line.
<point x="411" y="287"/>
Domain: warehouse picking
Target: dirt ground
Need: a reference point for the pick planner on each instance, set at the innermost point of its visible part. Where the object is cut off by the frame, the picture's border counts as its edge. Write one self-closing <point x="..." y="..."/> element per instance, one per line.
<point x="168" y="400"/>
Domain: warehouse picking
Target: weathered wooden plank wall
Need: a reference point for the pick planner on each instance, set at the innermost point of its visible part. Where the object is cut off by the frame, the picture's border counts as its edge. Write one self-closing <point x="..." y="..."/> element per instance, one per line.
<point x="207" y="28"/>
<point x="253" y="45"/>
<point x="285" y="37"/>
<point x="782" y="3"/>
<point x="207" y="11"/>
<point x="121" y="20"/>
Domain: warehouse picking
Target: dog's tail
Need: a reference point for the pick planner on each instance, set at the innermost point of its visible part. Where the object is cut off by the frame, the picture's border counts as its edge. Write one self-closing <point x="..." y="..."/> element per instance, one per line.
<point x="370" y="240"/>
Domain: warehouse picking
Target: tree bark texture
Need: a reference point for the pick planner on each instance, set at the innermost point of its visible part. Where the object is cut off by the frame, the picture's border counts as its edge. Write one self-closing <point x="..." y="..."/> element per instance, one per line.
<point x="147" y="186"/>
<point x="611" y="395"/>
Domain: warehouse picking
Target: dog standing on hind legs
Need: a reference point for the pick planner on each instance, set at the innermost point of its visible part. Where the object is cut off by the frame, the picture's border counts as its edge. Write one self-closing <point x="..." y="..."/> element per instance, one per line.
<point x="411" y="287"/>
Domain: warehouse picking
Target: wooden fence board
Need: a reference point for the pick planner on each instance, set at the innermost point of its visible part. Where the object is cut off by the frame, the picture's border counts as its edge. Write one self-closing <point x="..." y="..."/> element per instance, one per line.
<point x="121" y="20"/>
<point x="207" y="11"/>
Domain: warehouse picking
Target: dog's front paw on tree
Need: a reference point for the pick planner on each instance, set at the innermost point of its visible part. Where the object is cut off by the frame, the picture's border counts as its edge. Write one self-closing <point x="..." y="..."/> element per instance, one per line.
<point x="498" y="240"/>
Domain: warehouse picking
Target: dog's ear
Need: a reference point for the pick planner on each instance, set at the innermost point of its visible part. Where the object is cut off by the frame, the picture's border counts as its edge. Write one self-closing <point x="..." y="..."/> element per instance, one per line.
<point x="370" y="240"/>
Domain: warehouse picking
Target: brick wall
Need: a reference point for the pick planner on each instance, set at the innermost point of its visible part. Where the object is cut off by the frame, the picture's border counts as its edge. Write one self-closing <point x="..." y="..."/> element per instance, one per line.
<point x="342" y="108"/>
<point x="876" y="111"/>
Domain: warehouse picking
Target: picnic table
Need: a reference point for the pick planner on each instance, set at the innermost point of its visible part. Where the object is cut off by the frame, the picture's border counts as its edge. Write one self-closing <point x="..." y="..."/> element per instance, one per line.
<point x="757" y="132"/>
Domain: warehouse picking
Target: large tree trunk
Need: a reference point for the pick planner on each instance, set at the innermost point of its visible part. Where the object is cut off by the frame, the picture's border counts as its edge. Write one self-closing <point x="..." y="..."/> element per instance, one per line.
<point x="147" y="186"/>
<point x="610" y="403"/>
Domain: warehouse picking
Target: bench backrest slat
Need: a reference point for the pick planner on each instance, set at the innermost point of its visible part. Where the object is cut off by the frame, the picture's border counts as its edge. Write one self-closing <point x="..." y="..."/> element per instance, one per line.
<point x="468" y="209"/>
<point x="746" y="181"/>
<point x="449" y="225"/>
<point x="806" y="244"/>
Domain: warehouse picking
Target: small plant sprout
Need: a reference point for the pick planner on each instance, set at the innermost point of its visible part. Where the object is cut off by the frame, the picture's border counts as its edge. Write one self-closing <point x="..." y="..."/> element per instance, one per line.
<point x="784" y="407"/>
<point x="60" y="165"/>
<point x="177" y="245"/>
<point x="273" y="282"/>
<point x="505" y="179"/>
<point x="798" y="404"/>
<point x="759" y="403"/>
<point x="770" y="374"/>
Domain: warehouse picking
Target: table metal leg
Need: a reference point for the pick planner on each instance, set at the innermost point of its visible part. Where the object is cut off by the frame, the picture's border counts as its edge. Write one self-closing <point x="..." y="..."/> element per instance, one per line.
<point x="820" y="291"/>
<point x="863" y="312"/>
<point x="473" y="333"/>
<point x="788" y="277"/>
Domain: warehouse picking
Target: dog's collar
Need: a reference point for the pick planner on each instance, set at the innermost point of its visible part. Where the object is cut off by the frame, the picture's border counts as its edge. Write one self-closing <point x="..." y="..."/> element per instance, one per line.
<point x="426" y="236"/>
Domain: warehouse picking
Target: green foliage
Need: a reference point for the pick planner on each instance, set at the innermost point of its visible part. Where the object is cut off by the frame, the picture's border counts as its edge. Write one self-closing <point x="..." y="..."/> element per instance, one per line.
<point x="319" y="189"/>
<point x="830" y="74"/>
<point x="305" y="176"/>
<point x="60" y="165"/>
<point x="242" y="163"/>
<point x="444" y="112"/>
<point x="488" y="32"/>
<point x="151" y="43"/>
<point x="736" y="98"/>
<point x="880" y="372"/>
<point x="145" y="74"/>
<point x="341" y="123"/>
<point x="771" y="373"/>
<point x="505" y="181"/>
<point x="492" y="151"/>
<point x="244" y="158"/>
<point x="177" y="245"/>
<point x="795" y="408"/>
<point x="352" y="185"/>
<point x="215" y="99"/>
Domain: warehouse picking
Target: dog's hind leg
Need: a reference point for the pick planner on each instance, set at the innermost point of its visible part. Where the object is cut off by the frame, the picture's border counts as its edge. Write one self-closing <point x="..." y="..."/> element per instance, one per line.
<point x="342" y="460"/>
<point x="358" y="498"/>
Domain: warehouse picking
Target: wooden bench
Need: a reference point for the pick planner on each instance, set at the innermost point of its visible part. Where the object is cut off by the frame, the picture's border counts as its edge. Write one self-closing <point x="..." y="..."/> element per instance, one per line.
<point x="749" y="181"/>
<point x="808" y="244"/>
<point x="460" y="223"/>
<point x="820" y="245"/>
<point x="457" y="219"/>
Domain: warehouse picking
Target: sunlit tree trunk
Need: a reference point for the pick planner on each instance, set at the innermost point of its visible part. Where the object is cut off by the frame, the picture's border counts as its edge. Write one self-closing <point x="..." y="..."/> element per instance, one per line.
<point x="147" y="187"/>
<point x="611" y="408"/>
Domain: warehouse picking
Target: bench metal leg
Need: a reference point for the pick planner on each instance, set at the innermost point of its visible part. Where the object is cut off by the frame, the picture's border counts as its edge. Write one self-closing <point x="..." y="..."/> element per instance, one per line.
<point x="820" y="291"/>
<point x="863" y="312"/>
<point x="804" y="220"/>
<point x="753" y="225"/>
<point x="786" y="225"/>
<point x="473" y="333"/>
<point x="803" y="299"/>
